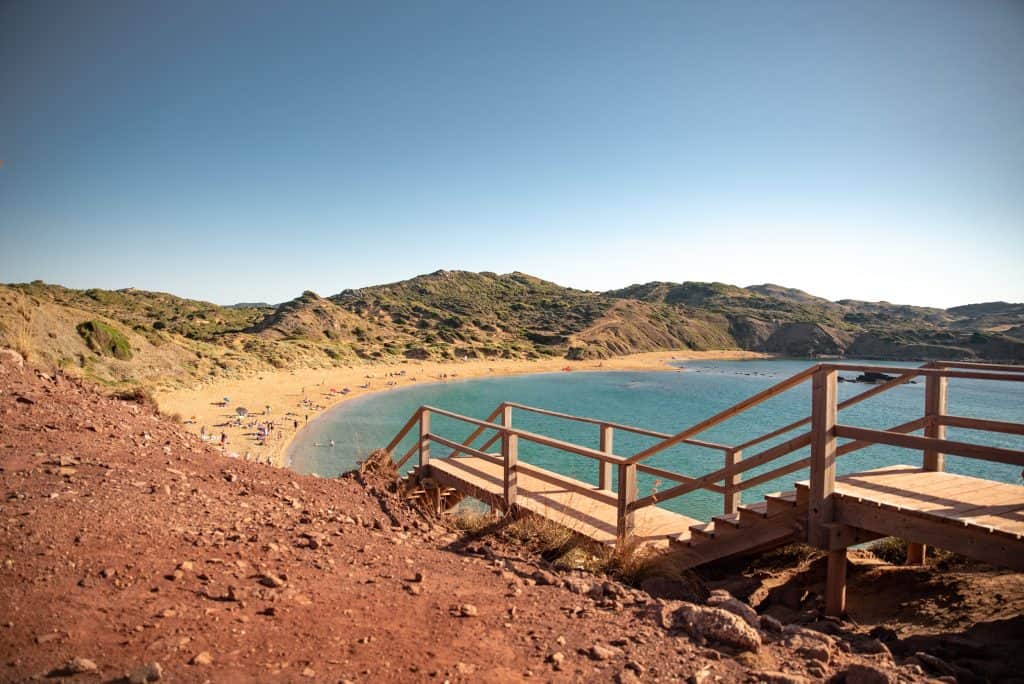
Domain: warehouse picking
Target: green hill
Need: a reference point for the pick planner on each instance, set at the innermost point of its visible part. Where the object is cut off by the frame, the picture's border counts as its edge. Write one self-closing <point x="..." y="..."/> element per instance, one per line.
<point x="132" y="336"/>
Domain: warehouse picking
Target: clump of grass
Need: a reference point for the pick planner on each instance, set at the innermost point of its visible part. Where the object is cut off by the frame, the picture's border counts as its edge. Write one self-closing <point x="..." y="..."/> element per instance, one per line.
<point x="892" y="550"/>
<point x="139" y="395"/>
<point x="105" y="340"/>
<point x="379" y="462"/>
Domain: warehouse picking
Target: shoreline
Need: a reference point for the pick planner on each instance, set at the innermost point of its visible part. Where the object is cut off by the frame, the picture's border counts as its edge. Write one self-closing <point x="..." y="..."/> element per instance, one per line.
<point x="301" y="396"/>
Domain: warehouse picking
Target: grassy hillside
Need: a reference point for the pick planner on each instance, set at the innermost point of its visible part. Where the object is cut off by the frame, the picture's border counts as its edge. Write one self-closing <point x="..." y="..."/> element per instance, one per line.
<point x="130" y="336"/>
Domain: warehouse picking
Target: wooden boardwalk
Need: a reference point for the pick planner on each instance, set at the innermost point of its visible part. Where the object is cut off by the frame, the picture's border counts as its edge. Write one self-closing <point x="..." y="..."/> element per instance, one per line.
<point x="923" y="504"/>
<point x="581" y="507"/>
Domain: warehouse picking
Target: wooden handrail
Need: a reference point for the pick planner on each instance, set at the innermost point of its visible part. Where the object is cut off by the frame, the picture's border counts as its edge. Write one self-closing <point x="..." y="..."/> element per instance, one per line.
<point x="1006" y="367"/>
<point x="980" y="424"/>
<point x="856" y="399"/>
<point x="1010" y="376"/>
<point x="460" y="448"/>
<point x="532" y="437"/>
<point x="676" y="477"/>
<point x="722" y="416"/>
<point x="617" y="426"/>
<point x="946" y="446"/>
<point x="404" y="431"/>
<point x="722" y="473"/>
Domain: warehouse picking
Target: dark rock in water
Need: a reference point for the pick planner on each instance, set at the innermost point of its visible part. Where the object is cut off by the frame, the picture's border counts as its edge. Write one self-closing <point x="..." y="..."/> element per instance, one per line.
<point x="873" y="377"/>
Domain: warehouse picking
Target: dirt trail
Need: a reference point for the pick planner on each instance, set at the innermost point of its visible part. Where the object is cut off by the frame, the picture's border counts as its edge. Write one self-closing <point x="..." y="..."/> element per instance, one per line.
<point x="132" y="551"/>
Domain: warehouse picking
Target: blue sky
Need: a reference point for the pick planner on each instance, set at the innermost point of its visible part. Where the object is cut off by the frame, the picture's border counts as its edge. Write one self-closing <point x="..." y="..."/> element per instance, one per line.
<point x="246" y="151"/>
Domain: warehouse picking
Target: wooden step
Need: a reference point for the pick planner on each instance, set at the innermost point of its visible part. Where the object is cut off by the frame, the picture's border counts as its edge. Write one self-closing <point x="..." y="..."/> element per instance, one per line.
<point x="726" y="521"/>
<point x="696" y="550"/>
<point x="803" y="493"/>
<point x="780" y="502"/>
<point x="753" y="513"/>
<point x="702" y="531"/>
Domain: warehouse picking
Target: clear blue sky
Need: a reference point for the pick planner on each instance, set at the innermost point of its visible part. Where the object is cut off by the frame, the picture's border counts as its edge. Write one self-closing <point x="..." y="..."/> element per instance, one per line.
<point x="243" y="151"/>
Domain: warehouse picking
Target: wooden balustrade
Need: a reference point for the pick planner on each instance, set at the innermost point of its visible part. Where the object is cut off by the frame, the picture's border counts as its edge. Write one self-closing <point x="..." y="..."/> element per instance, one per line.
<point x="823" y="438"/>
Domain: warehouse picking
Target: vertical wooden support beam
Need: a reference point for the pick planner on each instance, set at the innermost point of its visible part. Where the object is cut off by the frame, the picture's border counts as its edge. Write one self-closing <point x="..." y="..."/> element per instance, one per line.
<point x="821" y="509"/>
<point x="424" y="438"/>
<point x="510" y="455"/>
<point x="510" y="458"/>
<point x="732" y="497"/>
<point x="627" y="495"/>
<point x="935" y="392"/>
<point x="604" y="475"/>
<point x="835" y="588"/>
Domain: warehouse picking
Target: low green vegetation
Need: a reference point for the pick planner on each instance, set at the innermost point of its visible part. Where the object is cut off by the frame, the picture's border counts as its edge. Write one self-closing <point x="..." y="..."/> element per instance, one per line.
<point x="105" y="340"/>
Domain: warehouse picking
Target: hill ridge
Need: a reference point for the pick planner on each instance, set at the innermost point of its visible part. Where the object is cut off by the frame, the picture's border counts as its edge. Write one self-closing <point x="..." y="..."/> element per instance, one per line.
<point x="457" y="314"/>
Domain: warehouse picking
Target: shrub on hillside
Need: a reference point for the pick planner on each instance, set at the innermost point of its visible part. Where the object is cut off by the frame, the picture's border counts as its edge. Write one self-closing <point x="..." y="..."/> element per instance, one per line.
<point x="105" y="340"/>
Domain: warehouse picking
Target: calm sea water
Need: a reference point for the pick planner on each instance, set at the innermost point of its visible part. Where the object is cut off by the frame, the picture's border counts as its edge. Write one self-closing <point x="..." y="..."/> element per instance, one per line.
<point x="663" y="401"/>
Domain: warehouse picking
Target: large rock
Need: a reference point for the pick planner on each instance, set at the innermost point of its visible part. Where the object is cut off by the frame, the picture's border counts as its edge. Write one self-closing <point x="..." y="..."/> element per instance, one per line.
<point x="725" y="601"/>
<point x="714" y="625"/>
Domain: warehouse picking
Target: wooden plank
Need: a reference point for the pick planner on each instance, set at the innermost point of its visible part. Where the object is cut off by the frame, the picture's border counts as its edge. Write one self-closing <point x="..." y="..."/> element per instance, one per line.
<point x="979" y="424"/>
<point x="955" y="499"/>
<point x="823" y="456"/>
<point x="725" y="415"/>
<point x="979" y="451"/>
<point x="912" y="426"/>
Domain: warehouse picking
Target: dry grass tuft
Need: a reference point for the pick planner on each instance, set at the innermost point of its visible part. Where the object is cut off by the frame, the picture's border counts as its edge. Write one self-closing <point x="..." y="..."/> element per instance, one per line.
<point x="379" y="463"/>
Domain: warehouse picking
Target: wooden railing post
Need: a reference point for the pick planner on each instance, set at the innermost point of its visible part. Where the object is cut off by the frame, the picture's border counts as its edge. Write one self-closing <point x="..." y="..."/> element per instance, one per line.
<point x="604" y="475"/>
<point x="510" y="458"/>
<point x="627" y="495"/>
<point x="732" y="496"/>
<point x="821" y="508"/>
<point x="424" y="437"/>
<point x="935" y="391"/>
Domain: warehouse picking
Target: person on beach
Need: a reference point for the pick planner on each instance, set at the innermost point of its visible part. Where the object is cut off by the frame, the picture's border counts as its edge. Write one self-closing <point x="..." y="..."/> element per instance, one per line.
<point x="295" y="424"/>
<point x="223" y="438"/>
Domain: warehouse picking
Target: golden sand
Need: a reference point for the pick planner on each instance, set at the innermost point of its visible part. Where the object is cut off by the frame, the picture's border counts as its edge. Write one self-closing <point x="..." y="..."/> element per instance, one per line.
<point x="297" y="396"/>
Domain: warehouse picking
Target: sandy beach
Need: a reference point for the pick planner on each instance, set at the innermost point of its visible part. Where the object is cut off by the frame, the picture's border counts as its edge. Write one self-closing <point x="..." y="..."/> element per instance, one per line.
<point x="295" y="397"/>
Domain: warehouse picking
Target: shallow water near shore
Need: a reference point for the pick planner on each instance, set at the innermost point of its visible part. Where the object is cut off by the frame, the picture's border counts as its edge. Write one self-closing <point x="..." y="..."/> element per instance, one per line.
<point x="666" y="402"/>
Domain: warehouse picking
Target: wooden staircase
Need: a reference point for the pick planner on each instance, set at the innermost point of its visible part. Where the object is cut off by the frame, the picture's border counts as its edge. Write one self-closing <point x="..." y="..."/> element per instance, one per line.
<point x="776" y="521"/>
<point x="422" y="491"/>
<point x="923" y="504"/>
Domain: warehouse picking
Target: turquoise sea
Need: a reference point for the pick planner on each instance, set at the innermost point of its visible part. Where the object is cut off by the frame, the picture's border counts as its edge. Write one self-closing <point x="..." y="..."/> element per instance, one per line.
<point x="663" y="401"/>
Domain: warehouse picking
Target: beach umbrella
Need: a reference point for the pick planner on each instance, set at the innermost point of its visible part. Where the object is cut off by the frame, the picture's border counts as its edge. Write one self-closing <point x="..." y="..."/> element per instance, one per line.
<point x="241" y="411"/>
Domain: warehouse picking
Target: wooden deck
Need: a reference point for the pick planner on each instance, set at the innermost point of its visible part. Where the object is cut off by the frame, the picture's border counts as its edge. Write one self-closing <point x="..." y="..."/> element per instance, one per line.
<point x="577" y="505"/>
<point x="973" y="516"/>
